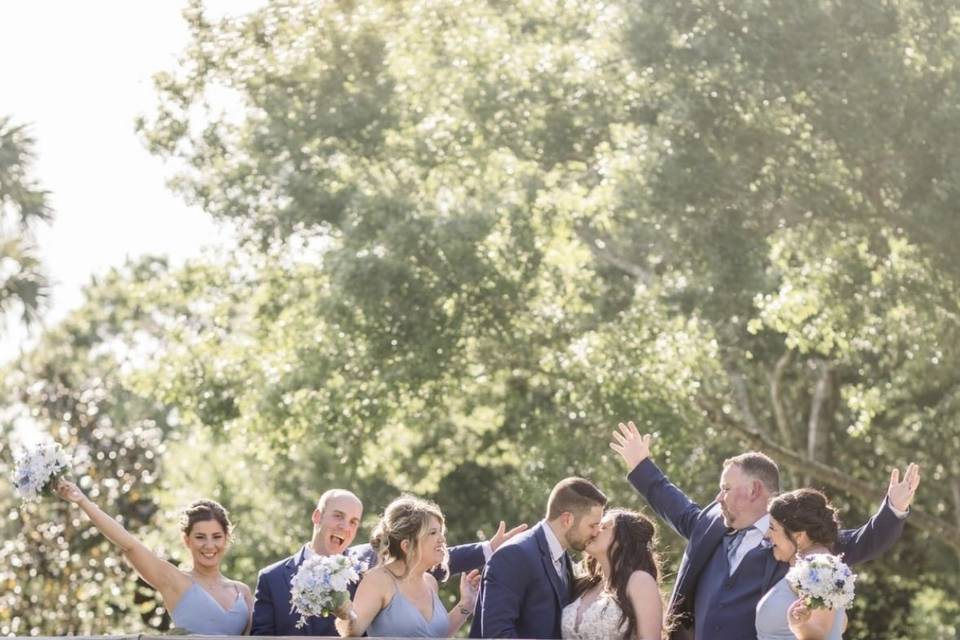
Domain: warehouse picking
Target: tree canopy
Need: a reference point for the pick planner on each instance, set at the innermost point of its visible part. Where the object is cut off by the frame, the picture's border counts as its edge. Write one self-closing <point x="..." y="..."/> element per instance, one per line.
<point x="23" y="203"/>
<point x="478" y="235"/>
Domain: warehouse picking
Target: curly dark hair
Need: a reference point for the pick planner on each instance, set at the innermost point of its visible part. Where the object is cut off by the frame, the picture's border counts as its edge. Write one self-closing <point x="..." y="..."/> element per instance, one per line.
<point x="809" y="511"/>
<point x="632" y="549"/>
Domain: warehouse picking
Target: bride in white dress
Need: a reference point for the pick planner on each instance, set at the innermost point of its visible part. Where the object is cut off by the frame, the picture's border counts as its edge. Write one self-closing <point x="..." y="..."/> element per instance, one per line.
<point x="619" y="596"/>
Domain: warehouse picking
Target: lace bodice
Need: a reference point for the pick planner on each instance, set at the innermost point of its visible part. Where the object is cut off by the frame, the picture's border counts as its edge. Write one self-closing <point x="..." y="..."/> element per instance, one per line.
<point x="600" y="620"/>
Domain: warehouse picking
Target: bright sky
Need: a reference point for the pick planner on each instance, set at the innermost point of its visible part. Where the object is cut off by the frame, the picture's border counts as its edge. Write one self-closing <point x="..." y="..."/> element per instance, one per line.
<point x="79" y="73"/>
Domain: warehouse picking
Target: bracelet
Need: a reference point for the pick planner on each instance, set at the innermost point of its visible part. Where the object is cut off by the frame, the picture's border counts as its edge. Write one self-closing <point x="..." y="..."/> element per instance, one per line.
<point x="464" y="610"/>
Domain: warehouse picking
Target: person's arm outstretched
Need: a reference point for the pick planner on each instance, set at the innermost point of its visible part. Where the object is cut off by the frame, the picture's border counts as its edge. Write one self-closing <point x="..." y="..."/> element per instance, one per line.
<point x="157" y="572"/>
<point x="373" y="594"/>
<point x="670" y="503"/>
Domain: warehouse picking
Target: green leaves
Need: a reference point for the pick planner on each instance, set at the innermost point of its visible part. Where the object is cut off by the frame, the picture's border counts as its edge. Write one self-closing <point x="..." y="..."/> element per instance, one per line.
<point x="23" y="203"/>
<point x="478" y="235"/>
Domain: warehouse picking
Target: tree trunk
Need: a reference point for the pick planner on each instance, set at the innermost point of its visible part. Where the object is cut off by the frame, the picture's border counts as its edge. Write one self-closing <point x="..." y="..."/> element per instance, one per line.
<point x="820" y="423"/>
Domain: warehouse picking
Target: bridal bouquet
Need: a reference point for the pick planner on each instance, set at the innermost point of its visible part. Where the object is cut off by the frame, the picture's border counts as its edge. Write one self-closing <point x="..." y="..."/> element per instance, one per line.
<point x="320" y="586"/>
<point x="37" y="470"/>
<point x="822" y="581"/>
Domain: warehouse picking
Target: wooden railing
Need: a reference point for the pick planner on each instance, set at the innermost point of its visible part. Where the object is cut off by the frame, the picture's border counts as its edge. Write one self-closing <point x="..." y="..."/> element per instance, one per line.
<point x="145" y="636"/>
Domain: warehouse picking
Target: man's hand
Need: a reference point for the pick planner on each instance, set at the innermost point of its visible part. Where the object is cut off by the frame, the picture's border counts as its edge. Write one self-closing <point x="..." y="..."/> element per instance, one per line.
<point x="502" y="535"/>
<point x="901" y="492"/>
<point x="631" y="446"/>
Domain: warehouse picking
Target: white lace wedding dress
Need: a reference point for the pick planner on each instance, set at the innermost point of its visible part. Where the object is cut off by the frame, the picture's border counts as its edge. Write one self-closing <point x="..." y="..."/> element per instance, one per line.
<point x="599" y="620"/>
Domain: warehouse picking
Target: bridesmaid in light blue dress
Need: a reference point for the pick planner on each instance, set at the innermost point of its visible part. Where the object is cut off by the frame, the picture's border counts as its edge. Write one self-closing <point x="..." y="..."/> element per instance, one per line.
<point x="802" y="523"/>
<point x="201" y="600"/>
<point x="398" y="598"/>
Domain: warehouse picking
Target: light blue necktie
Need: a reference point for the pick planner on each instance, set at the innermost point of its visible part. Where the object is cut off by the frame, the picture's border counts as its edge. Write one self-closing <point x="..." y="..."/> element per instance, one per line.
<point x="732" y="541"/>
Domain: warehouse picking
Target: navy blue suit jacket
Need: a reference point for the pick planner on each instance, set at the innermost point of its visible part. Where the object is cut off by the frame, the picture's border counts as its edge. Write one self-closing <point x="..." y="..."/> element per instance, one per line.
<point x="521" y="595"/>
<point x="704" y="529"/>
<point x="271" y="608"/>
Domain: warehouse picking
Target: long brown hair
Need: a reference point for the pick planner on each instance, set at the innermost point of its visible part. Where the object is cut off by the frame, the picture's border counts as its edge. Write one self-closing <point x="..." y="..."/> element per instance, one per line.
<point x="631" y="549"/>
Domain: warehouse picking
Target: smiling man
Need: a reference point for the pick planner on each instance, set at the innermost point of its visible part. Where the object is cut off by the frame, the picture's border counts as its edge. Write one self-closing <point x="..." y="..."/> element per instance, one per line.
<point x="336" y="520"/>
<point x="727" y="567"/>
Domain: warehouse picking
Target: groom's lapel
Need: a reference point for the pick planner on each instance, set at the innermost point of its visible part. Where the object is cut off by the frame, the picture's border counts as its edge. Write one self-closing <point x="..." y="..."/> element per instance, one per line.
<point x="552" y="575"/>
<point x="555" y="581"/>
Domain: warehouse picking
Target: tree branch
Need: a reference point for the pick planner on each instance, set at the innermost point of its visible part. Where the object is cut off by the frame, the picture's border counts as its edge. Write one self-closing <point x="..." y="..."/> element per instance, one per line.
<point x="818" y="425"/>
<point x="956" y="499"/>
<point x="776" y="396"/>
<point x="743" y="401"/>
<point x="602" y="250"/>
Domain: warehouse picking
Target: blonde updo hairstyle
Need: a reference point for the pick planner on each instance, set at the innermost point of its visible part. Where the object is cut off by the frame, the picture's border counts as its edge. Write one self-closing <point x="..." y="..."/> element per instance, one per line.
<point x="405" y="519"/>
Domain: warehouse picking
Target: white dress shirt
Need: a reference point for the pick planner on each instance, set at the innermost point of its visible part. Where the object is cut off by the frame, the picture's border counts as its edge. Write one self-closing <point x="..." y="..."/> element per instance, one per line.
<point x="556" y="551"/>
<point x="751" y="540"/>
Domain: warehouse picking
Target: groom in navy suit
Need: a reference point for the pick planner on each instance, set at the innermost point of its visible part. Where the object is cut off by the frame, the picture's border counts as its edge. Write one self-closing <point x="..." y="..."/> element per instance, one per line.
<point x="527" y="583"/>
<point x="335" y="523"/>
<point x="728" y="564"/>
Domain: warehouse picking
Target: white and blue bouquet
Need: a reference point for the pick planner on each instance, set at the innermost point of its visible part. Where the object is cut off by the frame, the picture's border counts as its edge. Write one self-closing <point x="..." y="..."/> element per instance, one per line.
<point x="320" y="586"/>
<point x="822" y="581"/>
<point x="37" y="470"/>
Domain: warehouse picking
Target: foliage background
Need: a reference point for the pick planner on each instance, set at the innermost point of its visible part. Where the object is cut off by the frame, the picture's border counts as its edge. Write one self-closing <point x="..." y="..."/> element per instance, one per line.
<point x="475" y="236"/>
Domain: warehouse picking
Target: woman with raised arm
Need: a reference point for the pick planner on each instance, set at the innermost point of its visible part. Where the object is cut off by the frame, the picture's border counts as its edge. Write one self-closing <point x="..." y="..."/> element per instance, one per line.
<point x="619" y="597"/>
<point x="200" y="600"/>
<point x="398" y="598"/>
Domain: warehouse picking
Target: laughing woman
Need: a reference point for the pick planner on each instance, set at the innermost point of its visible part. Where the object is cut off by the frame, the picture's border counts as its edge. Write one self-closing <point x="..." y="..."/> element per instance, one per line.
<point x="200" y="600"/>
<point x="802" y="523"/>
<point x="399" y="597"/>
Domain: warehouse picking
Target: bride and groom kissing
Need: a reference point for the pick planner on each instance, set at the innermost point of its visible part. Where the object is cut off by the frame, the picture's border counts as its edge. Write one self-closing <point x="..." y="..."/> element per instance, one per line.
<point x="731" y="580"/>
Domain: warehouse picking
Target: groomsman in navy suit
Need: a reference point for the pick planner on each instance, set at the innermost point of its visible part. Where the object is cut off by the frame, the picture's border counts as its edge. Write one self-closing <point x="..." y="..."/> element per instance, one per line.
<point x="528" y="582"/>
<point x="728" y="565"/>
<point x="335" y="523"/>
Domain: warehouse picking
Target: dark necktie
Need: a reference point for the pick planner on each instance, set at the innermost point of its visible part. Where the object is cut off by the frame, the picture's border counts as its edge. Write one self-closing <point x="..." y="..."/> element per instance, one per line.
<point x="565" y="570"/>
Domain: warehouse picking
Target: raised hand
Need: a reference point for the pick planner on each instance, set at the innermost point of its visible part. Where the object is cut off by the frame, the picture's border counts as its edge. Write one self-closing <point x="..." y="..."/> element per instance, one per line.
<point x="469" y="586"/>
<point x="631" y="446"/>
<point x="69" y="491"/>
<point x="901" y="492"/>
<point x="502" y="535"/>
